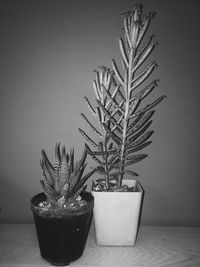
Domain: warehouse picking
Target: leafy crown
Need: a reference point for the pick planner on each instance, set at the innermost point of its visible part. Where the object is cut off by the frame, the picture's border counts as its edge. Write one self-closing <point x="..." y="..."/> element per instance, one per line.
<point x="62" y="182"/>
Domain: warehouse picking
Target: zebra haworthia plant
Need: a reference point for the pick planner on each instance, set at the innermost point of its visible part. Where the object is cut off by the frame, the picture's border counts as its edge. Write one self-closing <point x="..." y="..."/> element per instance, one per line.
<point x="124" y="121"/>
<point x="62" y="182"/>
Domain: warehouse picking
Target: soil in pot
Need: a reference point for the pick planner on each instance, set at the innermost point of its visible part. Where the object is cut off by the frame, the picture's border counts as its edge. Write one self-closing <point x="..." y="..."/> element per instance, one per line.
<point x="62" y="239"/>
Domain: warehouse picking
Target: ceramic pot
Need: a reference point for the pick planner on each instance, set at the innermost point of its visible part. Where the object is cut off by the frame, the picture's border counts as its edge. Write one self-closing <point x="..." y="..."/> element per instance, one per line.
<point x="117" y="215"/>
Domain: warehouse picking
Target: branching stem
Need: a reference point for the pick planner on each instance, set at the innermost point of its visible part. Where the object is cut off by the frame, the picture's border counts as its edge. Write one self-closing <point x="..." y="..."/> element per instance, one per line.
<point x="126" y="114"/>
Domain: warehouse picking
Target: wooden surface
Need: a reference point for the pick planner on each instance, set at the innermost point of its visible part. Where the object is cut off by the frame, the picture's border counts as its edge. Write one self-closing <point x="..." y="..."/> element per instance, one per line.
<point x="156" y="246"/>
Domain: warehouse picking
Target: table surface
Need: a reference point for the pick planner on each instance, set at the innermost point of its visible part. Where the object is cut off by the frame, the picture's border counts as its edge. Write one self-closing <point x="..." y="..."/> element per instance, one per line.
<point x="156" y="246"/>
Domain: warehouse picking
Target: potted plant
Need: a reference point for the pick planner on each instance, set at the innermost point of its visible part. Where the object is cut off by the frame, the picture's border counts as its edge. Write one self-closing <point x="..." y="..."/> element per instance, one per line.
<point x="124" y="122"/>
<point x="63" y="211"/>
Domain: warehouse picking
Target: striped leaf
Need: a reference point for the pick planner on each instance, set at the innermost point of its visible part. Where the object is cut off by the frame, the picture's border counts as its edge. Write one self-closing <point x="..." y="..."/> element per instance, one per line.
<point x="113" y="100"/>
<point x="108" y="115"/>
<point x="131" y="172"/>
<point x="113" y="135"/>
<point x="64" y="167"/>
<point x="91" y="125"/>
<point x="93" y="156"/>
<point x="90" y="106"/>
<point x="131" y="138"/>
<point x="134" y="159"/>
<point x="148" y="89"/>
<point x="50" y="194"/>
<point x="149" y="106"/>
<point x="140" y="78"/>
<point x="123" y="51"/>
<point x="48" y="168"/>
<point x="134" y="148"/>
<point x="144" y="26"/>
<point x="88" y="138"/>
<point x="117" y="73"/>
<point x="57" y="157"/>
<point x="82" y="181"/>
<point x="126" y="30"/>
<point x="136" y="120"/>
<point x="144" y="48"/>
<point x="144" y="119"/>
<point x="142" y="139"/>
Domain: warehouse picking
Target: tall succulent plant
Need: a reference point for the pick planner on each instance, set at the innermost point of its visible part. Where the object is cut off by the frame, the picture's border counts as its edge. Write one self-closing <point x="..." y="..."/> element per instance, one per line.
<point x="62" y="182"/>
<point x="119" y="96"/>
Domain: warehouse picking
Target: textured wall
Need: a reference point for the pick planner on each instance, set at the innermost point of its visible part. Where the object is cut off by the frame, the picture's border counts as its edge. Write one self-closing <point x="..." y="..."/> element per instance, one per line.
<point x="48" y="51"/>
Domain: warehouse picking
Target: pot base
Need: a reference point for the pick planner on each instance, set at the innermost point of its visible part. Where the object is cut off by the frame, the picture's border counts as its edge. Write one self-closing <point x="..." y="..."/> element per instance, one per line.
<point x="57" y="264"/>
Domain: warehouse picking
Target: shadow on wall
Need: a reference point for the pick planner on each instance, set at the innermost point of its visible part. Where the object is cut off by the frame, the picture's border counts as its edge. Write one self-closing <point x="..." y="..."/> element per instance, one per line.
<point x="14" y="207"/>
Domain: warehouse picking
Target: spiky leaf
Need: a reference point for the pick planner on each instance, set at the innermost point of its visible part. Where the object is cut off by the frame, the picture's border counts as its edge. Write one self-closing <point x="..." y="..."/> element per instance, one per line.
<point x="82" y="181"/>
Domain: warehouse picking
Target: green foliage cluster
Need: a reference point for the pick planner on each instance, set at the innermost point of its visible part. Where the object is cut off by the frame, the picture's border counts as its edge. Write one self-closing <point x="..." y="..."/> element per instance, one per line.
<point x="123" y="119"/>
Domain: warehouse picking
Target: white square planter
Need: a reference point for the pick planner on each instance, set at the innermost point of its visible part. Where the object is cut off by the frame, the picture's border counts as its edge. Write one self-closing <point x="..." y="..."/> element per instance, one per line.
<point x="116" y="215"/>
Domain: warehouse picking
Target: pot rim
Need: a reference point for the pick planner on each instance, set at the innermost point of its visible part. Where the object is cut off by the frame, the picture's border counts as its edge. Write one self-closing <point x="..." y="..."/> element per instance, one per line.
<point x="36" y="199"/>
<point x="139" y="187"/>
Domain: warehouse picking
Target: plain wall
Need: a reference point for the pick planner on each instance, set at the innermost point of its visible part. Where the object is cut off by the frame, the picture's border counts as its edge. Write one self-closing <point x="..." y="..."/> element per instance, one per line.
<point x="49" y="50"/>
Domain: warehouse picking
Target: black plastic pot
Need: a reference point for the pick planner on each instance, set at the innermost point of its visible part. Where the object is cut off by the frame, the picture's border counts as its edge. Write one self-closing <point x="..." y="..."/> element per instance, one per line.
<point x="62" y="239"/>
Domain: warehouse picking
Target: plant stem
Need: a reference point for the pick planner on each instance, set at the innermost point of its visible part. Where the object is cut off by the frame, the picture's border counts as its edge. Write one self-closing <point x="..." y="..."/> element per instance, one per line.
<point x="127" y="90"/>
<point x="106" y="168"/>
